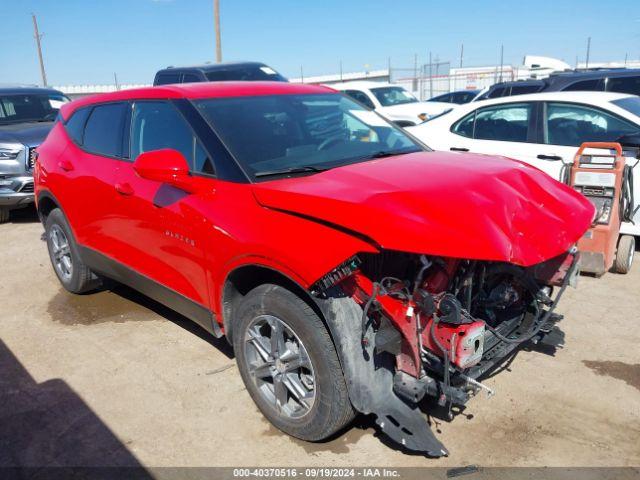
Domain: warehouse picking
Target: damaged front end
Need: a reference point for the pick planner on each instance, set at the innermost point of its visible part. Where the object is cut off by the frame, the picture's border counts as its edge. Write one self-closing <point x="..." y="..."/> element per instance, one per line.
<point x="408" y="325"/>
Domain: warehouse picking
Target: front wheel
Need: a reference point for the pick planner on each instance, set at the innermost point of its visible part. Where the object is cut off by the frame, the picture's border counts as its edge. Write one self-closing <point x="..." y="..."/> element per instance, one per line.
<point x="289" y="364"/>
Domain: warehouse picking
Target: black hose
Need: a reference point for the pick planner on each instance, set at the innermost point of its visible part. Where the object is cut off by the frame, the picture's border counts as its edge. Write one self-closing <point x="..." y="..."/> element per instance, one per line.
<point x="627" y="200"/>
<point x="365" y="310"/>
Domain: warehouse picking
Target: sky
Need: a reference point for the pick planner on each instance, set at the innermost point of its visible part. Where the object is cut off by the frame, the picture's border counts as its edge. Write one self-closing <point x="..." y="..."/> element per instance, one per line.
<point x="87" y="41"/>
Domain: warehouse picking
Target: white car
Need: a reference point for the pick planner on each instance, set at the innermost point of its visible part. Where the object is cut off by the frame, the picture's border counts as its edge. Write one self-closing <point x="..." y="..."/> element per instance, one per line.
<point x="393" y="102"/>
<point x="542" y="129"/>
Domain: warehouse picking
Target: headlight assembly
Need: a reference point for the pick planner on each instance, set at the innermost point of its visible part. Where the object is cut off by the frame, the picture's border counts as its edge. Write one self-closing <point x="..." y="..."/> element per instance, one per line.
<point x="10" y="151"/>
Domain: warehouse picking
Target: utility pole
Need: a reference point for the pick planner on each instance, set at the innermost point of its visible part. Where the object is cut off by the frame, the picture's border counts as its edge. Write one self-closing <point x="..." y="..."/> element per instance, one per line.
<point x="501" y="60"/>
<point x="588" y="52"/>
<point x="461" y="54"/>
<point x="216" y="18"/>
<point x="430" y="76"/>
<point x="301" y="75"/>
<point x="626" y="56"/>
<point x="115" y="79"/>
<point x="340" y="70"/>
<point x="38" y="36"/>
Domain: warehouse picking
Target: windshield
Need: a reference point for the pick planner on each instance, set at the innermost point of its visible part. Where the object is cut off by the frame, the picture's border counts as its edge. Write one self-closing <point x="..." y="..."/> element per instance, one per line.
<point x="248" y="73"/>
<point x="17" y="108"/>
<point x="269" y="134"/>
<point x="630" y="104"/>
<point x="389" y="96"/>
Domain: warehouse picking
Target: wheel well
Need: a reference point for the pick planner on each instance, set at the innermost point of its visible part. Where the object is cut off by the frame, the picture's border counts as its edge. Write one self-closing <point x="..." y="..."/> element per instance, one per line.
<point x="45" y="205"/>
<point x="244" y="279"/>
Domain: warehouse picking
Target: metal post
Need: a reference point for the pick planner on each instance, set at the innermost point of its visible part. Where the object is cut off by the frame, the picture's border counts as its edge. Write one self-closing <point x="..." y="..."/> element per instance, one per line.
<point x="588" y="52"/>
<point x="115" y="79"/>
<point x="38" y="36"/>
<point x="501" y="60"/>
<point x="626" y="56"/>
<point x="430" y="76"/>
<point x="216" y="19"/>
<point x="461" y="54"/>
<point x="301" y="75"/>
<point x="340" y="70"/>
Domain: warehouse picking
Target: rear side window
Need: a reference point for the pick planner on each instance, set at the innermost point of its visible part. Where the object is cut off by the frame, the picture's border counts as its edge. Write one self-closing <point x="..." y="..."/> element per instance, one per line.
<point x="190" y="78"/>
<point x="158" y="125"/>
<point x="594" y="85"/>
<point x="524" y="89"/>
<point x="167" y="78"/>
<point x="75" y="124"/>
<point x="103" y="130"/>
<point x="624" y="85"/>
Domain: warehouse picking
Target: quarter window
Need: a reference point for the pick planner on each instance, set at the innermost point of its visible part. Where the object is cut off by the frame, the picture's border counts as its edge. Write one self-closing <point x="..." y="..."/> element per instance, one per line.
<point x="158" y="125"/>
<point x="75" y="124"/>
<point x="103" y="130"/>
<point x="464" y="127"/>
<point x="572" y="125"/>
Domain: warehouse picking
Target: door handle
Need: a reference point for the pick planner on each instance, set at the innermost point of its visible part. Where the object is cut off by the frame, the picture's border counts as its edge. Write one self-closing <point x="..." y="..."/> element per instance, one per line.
<point x="459" y="149"/>
<point x="124" y="189"/>
<point x="65" y="165"/>
<point x="549" y="157"/>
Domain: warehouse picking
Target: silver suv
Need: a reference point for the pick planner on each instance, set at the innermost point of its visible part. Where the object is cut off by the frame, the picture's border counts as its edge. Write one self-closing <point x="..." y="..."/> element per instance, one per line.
<point x="26" y="116"/>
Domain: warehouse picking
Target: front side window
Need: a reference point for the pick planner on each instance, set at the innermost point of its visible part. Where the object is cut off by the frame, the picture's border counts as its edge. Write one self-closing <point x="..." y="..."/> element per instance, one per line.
<point x="268" y="134"/>
<point x="506" y="123"/>
<point x="158" y="125"/>
<point x="103" y="130"/>
<point x="624" y="85"/>
<point x="37" y="107"/>
<point x="190" y="78"/>
<point x="389" y="96"/>
<point x="360" y="97"/>
<point x="496" y="92"/>
<point x="249" y="73"/>
<point x="571" y="125"/>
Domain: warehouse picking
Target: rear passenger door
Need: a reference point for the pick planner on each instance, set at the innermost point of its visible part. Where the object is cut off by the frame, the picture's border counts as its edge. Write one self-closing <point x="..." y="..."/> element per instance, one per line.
<point x="566" y="126"/>
<point x="160" y="225"/>
<point x="90" y="166"/>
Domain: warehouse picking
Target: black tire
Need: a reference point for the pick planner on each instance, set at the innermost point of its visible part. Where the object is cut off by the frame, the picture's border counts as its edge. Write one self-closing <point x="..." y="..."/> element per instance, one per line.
<point x="4" y="215"/>
<point x="331" y="409"/>
<point x="625" y="254"/>
<point x="81" y="279"/>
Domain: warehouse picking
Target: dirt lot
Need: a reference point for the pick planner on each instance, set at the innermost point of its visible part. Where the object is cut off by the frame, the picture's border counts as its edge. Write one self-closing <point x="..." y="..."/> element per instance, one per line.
<point x="115" y="379"/>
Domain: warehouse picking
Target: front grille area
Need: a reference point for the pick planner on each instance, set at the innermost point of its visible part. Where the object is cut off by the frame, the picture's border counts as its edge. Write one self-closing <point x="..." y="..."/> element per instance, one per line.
<point x="27" y="188"/>
<point x="31" y="159"/>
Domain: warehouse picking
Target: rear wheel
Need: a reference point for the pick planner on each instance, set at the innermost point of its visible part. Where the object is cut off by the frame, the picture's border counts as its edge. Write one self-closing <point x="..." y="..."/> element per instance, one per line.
<point x="4" y="215"/>
<point x="74" y="275"/>
<point x="289" y="364"/>
<point x="625" y="253"/>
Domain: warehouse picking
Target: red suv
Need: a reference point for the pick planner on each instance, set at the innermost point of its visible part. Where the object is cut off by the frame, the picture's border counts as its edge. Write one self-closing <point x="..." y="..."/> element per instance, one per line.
<point x="352" y="269"/>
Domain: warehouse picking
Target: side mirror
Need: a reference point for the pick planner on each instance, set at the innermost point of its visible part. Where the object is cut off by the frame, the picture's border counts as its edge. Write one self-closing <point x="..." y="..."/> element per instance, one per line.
<point x="165" y="166"/>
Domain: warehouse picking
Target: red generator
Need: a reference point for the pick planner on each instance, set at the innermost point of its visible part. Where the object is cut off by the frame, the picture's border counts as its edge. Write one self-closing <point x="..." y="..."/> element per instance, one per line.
<point x="599" y="177"/>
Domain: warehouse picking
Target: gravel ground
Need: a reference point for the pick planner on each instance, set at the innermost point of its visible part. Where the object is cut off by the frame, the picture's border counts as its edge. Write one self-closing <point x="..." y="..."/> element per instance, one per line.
<point x="113" y="378"/>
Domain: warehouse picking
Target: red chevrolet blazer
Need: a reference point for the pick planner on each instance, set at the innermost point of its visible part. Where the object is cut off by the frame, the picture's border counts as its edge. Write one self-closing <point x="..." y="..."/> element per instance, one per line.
<point x="353" y="269"/>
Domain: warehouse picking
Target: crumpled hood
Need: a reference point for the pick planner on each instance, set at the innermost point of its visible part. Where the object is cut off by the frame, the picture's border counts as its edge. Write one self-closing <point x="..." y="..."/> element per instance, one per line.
<point x="30" y="134"/>
<point x="449" y="204"/>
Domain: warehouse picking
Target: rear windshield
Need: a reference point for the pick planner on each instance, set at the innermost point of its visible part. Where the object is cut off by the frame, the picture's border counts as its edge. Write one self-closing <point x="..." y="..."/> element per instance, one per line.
<point x="318" y="131"/>
<point x="251" y="73"/>
<point x="630" y="104"/>
<point x="37" y="107"/>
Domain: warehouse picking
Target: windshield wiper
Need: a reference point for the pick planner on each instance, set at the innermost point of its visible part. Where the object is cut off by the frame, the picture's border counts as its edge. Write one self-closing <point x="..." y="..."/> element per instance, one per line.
<point x="291" y="170"/>
<point x="388" y="153"/>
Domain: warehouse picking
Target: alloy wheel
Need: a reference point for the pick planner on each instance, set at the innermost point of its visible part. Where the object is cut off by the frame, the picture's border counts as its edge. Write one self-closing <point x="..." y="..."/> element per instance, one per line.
<point x="280" y="366"/>
<point x="61" y="252"/>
